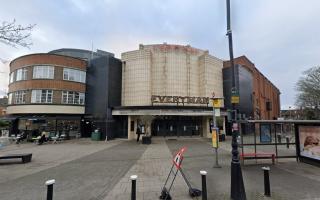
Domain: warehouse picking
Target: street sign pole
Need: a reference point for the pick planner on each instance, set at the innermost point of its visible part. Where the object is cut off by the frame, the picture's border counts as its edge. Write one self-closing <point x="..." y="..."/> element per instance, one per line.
<point x="215" y="133"/>
<point x="215" y="143"/>
<point x="237" y="187"/>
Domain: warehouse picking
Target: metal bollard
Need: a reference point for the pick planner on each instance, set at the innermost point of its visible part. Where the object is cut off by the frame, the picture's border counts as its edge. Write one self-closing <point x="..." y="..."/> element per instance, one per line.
<point x="266" y="181"/>
<point x="133" y="179"/>
<point x="49" y="184"/>
<point x="204" y="184"/>
<point x="287" y="140"/>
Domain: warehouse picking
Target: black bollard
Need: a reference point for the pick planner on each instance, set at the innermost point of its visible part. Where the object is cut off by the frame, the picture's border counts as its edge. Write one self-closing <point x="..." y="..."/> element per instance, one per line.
<point x="49" y="185"/>
<point x="133" y="188"/>
<point x="204" y="184"/>
<point x="266" y="181"/>
<point x="287" y="140"/>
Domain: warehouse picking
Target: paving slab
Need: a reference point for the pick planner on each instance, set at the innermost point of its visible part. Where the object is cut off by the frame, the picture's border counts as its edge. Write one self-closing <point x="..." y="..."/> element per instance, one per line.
<point x="285" y="184"/>
<point x="152" y="170"/>
<point x="89" y="177"/>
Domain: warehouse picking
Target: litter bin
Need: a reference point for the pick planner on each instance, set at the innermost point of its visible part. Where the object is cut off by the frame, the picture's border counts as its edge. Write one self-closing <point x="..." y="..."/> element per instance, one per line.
<point x="96" y="135"/>
<point x="146" y="140"/>
<point x="222" y="137"/>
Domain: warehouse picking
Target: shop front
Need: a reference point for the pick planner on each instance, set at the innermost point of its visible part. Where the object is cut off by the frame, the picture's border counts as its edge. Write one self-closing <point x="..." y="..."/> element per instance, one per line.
<point x="35" y="125"/>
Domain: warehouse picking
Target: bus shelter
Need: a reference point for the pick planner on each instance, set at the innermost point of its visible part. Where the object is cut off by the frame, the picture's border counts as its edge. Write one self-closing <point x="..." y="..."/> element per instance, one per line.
<point x="277" y="139"/>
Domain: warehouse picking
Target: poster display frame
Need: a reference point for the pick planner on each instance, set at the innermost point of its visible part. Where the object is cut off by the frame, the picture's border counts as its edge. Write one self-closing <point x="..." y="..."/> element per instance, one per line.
<point x="304" y="158"/>
<point x="263" y="136"/>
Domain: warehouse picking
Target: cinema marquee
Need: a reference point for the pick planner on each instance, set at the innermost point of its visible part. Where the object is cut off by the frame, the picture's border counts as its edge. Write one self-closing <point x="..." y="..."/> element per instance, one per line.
<point x="179" y="100"/>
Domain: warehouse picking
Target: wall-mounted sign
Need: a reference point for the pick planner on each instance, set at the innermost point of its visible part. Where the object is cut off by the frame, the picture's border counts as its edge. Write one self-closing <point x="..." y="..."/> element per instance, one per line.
<point x="217" y="103"/>
<point x="179" y="99"/>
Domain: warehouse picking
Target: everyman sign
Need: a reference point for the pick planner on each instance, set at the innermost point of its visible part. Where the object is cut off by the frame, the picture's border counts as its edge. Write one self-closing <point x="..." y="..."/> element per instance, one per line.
<point x="179" y="99"/>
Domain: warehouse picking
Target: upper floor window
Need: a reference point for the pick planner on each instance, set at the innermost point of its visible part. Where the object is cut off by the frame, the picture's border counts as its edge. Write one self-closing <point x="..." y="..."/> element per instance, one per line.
<point x="11" y="79"/>
<point x="41" y="96"/>
<point x="20" y="97"/>
<point x="10" y="98"/>
<point x="22" y="74"/>
<point x="70" y="97"/>
<point x="43" y="71"/>
<point x="74" y="75"/>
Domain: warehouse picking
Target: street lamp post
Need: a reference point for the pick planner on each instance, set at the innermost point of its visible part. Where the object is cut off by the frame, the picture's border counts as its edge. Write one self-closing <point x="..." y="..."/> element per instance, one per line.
<point x="237" y="186"/>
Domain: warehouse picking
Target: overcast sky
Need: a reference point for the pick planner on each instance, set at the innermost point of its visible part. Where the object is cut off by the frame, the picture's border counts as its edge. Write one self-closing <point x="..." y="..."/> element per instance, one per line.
<point x="280" y="37"/>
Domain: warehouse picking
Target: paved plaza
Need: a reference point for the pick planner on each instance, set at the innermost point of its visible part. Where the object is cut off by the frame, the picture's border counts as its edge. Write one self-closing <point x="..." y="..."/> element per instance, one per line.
<point x="85" y="169"/>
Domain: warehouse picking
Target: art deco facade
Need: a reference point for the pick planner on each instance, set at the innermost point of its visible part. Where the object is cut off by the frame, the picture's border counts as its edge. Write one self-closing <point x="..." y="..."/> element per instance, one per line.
<point x="46" y="83"/>
<point x="47" y="94"/>
<point x="173" y="85"/>
<point x="169" y="70"/>
<point x="65" y="91"/>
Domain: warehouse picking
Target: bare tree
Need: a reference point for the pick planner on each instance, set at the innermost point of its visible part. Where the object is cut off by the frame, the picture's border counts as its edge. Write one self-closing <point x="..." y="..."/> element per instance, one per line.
<point x="15" y="35"/>
<point x="308" y="88"/>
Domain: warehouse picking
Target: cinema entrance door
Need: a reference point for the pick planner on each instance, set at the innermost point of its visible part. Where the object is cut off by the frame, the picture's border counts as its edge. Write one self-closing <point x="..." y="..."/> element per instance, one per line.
<point x="176" y="126"/>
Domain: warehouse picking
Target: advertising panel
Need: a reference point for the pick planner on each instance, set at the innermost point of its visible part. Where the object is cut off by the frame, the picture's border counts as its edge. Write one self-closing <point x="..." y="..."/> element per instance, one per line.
<point x="309" y="141"/>
<point x="265" y="133"/>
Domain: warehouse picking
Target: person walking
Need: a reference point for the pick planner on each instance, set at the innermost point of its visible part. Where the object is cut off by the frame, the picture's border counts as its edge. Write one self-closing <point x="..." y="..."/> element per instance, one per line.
<point x="138" y="133"/>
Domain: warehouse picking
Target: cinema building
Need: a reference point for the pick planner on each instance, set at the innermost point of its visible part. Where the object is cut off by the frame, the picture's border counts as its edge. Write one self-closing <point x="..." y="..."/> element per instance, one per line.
<point x="167" y="88"/>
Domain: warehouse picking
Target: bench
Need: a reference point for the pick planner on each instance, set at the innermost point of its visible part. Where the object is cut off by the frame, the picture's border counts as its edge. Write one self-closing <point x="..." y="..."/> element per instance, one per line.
<point x="25" y="157"/>
<point x="251" y="156"/>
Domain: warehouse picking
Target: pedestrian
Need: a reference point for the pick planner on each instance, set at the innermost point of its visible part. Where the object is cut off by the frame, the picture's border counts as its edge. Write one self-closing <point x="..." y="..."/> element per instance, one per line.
<point x="138" y="133"/>
<point x="42" y="139"/>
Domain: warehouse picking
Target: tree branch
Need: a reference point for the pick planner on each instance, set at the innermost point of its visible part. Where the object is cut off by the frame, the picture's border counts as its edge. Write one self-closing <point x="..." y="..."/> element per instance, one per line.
<point x="16" y="35"/>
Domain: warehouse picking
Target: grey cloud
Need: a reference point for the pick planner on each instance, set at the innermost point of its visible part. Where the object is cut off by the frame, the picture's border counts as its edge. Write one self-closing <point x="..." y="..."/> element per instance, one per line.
<point x="278" y="36"/>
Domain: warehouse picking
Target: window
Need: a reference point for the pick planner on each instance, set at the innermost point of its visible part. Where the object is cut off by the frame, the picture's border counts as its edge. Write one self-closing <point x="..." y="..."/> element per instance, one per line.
<point x="45" y="72"/>
<point x="41" y="96"/>
<point x="81" y="98"/>
<point x="11" y="79"/>
<point x="22" y="74"/>
<point x="20" y="97"/>
<point x="69" y="97"/>
<point x="74" y="75"/>
<point x="10" y="98"/>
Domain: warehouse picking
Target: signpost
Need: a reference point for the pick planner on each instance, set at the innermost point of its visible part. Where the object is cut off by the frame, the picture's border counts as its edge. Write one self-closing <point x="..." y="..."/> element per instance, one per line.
<point x="216" y="105"/>
<point x="235" y="97"/>
<point x="215" y="145"/>
<point x="237" y="187"/>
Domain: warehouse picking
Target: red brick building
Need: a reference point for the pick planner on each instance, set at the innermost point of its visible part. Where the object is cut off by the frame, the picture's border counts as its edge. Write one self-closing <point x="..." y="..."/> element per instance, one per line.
<point x="265" y="96"/>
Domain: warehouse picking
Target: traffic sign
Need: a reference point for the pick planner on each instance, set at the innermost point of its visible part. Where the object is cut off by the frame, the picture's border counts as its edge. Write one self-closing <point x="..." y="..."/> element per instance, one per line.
<point x="234" y="91"/>
<point x="177" y="160"/>
<point x="235" y="99"/>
